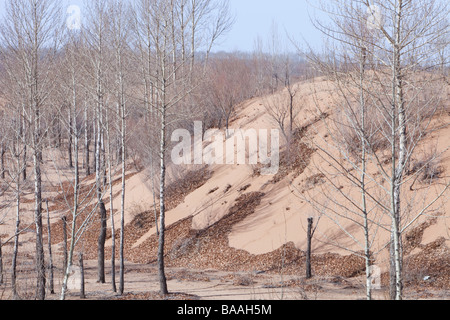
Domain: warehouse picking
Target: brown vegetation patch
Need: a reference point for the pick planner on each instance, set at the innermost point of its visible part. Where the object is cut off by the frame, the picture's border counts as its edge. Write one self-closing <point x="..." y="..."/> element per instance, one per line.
<point x="313" y="181"/>
<point x="187" y="275"/>
<point x="239" y="280"/>
<point x="209" y="249"/>
<point x="142" y="221"/>
<point x="295" y="157"/>
<point x="179" y="189"/>
<point x="331" y="264"/>
<point x="430" y="267"/>
<point x="157" y="296"/>
<point x="413" y="238"/>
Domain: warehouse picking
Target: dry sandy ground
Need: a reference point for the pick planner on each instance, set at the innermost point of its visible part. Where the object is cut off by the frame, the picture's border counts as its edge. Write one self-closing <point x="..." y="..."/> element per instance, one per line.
<point x="280" y="218"/>
<point x="282" y="214"/>
<point x="141" y="282"/>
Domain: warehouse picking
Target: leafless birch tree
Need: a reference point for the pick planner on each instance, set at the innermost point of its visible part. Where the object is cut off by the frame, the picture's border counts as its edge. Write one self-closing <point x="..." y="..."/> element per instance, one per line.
<point x="398" y="49"/>
<point x="31" y="32"/>
<point x="164" y="29"/>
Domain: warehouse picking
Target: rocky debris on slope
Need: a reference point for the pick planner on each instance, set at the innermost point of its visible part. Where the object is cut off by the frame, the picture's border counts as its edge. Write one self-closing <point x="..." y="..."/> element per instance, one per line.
<point x="413" y="238"/>
<point x="209" y="249"/>
<point x="426" y="264"/>
<point x="430" y="267"/>
<point x="142" y="222"/>
<point x="295" y="157"/>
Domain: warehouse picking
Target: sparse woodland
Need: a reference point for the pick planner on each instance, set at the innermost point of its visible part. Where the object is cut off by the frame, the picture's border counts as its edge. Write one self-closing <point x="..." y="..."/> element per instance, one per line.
<point x="80" y="109"/>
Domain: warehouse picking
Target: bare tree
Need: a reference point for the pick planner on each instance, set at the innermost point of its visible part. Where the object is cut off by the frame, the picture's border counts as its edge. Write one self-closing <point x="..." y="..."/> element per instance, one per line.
<point x="34" y="46"/>
<point x="396" y="41"/>
<point x="229" y="84"/>
<point x="163" y="27"/>
<point x="14" y="169"/>
<point x="95" y="33"/>
<point x="120" y="28"/>
<point x="50" y="255"/>
<point x="71" y="99"/>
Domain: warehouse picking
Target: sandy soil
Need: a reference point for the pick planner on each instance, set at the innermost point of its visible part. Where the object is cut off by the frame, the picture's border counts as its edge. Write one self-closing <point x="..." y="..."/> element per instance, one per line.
<point x="186" y="284"/>
<point x="278" y="219"/>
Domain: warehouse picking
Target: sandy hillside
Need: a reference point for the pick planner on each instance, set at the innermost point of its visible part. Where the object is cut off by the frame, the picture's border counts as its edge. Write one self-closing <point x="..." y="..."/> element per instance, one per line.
<point x="272" y="225"/>
<point x="282" y="214"/>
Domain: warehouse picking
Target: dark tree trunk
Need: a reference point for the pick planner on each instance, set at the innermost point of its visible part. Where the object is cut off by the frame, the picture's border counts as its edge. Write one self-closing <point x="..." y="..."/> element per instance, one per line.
<point x="40" y="262"/>
<point x="82" y="289"/>
<point x="308" y="249"/>
<point x="87" y="142"/>
<point x="50" y="256"/>
<point x="162" y="208"/>
<point x="101" y="244"/>
<point x="24" y="171"/>
<point x="2" y="153"/>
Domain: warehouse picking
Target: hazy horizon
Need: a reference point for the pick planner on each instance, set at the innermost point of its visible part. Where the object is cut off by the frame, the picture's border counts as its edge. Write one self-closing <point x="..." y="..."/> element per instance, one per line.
<point x="254" y="19"/>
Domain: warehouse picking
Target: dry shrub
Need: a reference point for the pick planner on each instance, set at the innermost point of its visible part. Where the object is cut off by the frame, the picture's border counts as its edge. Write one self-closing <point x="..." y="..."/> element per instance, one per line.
<point x="430" y="169"/>
<point x="213" y="190"/>
<point x="427" y="168"/>
<point x="349" y="140"/>
<point x="227" y="188"/>
<point x="244" y="188"/>
<point x="314" y="181"/>
<point x="241" y="280"/>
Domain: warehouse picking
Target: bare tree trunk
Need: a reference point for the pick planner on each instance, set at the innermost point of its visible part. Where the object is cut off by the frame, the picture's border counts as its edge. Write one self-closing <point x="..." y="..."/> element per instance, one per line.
<point x="69" y="140"/>
<point x="69" y="258"/>
<point x="123" y="132"/>
<point x="40" y="262"/>
<point x="398" y="113"/>
<point x="113" y="245"/>
<point x="152" y="176"/>
<point x="101" y="205"/>
<point x="162" y="206"/>
<point x="308" y="250"/>
<point x="94" y="134"/>
<point x="82" y="285"/>
<point x="2" y="157"/>
<point x="87" y="141"/>
<point x="37" y="158"/>
<point x="16" y="234"/>
<point x="122" y="211"/>
<point x="101" y="244"/>
<point x="111" y="209"/>
<point x="23" y="126"/>
<point x="363" y="135"/>
<point x="65" y="253"/>
<point x="50" y="256"/>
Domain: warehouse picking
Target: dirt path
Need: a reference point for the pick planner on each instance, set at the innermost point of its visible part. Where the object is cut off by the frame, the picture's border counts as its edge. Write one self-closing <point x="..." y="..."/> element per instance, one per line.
<point x="141" y="282"/>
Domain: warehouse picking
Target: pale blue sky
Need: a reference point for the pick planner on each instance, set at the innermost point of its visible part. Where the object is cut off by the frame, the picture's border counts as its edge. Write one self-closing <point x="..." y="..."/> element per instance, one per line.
<point x="255" y="18"/>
